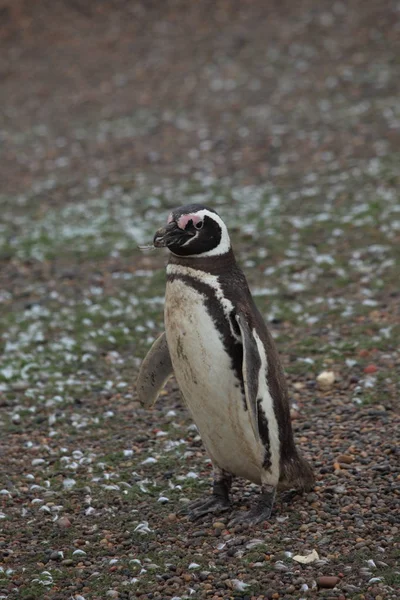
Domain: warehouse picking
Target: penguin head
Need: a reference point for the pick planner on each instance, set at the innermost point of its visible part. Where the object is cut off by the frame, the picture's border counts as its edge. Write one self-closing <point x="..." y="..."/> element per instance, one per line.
<point x="194" y="230"/>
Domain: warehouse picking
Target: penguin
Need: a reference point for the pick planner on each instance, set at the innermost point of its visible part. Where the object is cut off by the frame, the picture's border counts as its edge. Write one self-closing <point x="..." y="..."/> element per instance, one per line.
<point x="224" y="359"/>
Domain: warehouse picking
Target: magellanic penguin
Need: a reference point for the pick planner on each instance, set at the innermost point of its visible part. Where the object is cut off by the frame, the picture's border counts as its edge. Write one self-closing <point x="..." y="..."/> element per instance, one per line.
<point x="226" y="365"/>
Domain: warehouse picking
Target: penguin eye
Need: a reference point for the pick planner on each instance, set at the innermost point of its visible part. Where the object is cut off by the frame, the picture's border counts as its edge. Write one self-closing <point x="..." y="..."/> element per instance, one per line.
<point x="199" y="224"/>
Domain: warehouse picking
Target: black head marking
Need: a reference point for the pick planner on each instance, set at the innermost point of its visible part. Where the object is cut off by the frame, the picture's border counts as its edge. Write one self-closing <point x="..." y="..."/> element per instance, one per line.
<point x="194" y="230"/>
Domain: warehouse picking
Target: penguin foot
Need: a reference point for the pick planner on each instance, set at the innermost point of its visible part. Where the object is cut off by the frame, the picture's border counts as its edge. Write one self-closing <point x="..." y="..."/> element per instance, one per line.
<point x="259" y="513"/>
<point x="251" y="517"/>
<point x="210" y="505"/>
<point x="291" y="495"/>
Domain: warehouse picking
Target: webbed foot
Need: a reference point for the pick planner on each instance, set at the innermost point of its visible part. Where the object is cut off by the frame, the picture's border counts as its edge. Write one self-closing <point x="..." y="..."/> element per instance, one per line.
<point x="210" y="505"/>
<point x="216" y="503"/>
<point x="260" y="512"/>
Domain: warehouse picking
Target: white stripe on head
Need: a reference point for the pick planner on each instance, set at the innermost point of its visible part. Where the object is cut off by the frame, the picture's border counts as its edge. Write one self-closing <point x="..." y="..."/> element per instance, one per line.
<point x="224" y="244"/>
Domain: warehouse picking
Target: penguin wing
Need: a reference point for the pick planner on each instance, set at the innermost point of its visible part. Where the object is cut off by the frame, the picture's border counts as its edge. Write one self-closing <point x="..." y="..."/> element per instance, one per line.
<point x="155" y="369"/>
<point x="251" y="371"/>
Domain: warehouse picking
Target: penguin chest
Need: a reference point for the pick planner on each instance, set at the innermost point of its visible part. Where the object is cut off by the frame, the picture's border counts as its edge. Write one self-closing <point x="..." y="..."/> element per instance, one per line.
<point x="212" y="390"/>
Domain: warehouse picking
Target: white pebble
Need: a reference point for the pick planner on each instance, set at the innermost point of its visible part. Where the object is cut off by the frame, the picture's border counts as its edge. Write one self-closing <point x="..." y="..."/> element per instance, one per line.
<point x="239" y="585"/>
<point x="325" y="380"/>
<point x="68" y="483"/>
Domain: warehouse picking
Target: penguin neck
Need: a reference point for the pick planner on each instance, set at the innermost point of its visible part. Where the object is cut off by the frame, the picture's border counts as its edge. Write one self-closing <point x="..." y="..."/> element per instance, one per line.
<point x="209" y="264"/>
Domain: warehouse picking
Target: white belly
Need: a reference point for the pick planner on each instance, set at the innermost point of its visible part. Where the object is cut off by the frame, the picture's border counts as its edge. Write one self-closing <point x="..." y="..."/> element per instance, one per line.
<point x="208" y="384"/>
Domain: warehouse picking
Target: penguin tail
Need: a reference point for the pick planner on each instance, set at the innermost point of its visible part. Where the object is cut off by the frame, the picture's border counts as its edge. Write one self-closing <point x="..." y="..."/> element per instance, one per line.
<point x="296" y="474"/>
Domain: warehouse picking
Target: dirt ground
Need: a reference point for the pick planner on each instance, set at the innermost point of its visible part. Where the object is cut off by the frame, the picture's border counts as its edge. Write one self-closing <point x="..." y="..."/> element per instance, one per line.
<point x="285" y="117"/>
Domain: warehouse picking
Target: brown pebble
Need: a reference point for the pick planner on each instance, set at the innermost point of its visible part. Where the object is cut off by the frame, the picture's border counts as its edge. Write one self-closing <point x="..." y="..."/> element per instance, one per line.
<point x="327" y="581"/>
<point x="63" y="522"/>
<point x="347" y="459"/>
<point x="172" y="517"/>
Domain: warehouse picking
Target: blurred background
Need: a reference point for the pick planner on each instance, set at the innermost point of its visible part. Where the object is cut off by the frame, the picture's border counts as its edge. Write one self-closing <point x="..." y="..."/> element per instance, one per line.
<point x="282" y="115"/>
<point x="97" y="94"/>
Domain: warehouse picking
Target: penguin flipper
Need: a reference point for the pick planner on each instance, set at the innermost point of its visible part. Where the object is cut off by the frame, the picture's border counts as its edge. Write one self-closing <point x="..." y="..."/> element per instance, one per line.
<point x="251" y="370"/>
<point x="154" y="372"/>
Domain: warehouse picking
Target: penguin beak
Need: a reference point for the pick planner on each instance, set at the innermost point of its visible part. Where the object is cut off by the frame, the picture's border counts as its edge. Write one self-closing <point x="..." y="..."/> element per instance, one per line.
<point x="169" y="235"/>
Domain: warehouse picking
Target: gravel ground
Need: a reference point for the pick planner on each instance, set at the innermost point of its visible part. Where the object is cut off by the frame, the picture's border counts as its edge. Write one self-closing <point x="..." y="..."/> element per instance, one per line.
<point x="286" y="118"/>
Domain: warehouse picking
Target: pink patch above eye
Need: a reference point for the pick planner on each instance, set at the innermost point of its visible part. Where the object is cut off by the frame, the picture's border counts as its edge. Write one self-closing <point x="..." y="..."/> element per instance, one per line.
<point x="184" y="220"/>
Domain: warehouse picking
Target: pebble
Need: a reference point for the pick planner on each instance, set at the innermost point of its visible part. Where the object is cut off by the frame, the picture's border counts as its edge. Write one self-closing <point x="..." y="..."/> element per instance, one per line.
<point x="327" y="581"/>
<point x="67" y="562"/>
<point x="325" y="380"/>
<point x="345" y="458"/>
<point x="172" y="517"/>
<point x="63" y="522"/>
<point x="20" y="386"/>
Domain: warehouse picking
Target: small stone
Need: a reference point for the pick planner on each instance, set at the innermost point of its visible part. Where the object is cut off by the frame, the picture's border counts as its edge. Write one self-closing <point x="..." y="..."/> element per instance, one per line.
<point x="172" y="517"/>
<point x="68" y="562"/>
<point x="325" y="380"/>
<point x="327" y="581"/>
<point x="345" y="458"/>
<point x="370" y="369"/>
<point x="290" y="590"/>
<point x="20" y="386"/>
<point x="298" y="385"/>
<point x="64" y="522"/>
<point x="219" y="525"/>
<point x="112" y="594"/>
